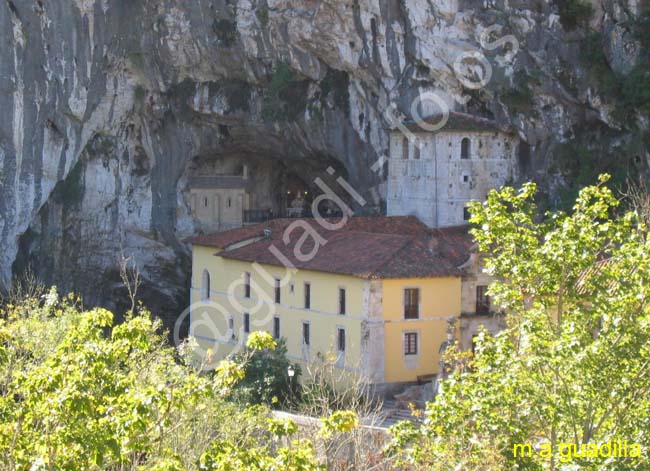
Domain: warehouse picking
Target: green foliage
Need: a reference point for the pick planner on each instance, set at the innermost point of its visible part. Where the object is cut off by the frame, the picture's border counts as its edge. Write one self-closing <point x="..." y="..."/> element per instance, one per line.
<point x="78" y="392"/>
<point x="263" y="16"/>
<point x="265" y="378"/>
<point x="336" y="82"/>
<point x="226" y="31"/>
<point x="642" y="31"/>
<point x="259" y="340"/>
<point x="282" y="427"/>
<point x="636" y="87"/>
<point x="286" y="96"/>
<point x="580" y="166"/>
<point x="597" y="65"/>
<point x="632" y="89"/>
<point x="574" y="13"/>
<point x="519" y="97"/>
<point x="339" y="422"/>
<point x="573" y="365"/>
<point x="226" y="456"/>
<point x="71" y="190"/>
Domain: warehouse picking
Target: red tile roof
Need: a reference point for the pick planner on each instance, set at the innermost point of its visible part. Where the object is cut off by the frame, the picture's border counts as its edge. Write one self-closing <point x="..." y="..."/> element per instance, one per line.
<point x="367" y="247"/>
<point x="406" y="225"/>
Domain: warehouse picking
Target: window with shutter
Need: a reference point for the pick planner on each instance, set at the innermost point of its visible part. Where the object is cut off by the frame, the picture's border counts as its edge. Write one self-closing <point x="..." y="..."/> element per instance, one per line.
<point x="411" y="343"/>
<point x="247" y="285"/>
<point x="307" y="296"/>
<point x="412" y="303"/>
<point x="341" y="340"/>
<point x="277" y="291"/>
<point x="482" y="300"/>
<point x="247" y="323"/>
<point x="276" y="328"/>
<point x="341" y="300"/>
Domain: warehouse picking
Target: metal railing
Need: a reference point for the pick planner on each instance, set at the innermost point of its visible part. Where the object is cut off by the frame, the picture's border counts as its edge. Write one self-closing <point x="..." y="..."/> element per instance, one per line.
<point x="252" y="216"/>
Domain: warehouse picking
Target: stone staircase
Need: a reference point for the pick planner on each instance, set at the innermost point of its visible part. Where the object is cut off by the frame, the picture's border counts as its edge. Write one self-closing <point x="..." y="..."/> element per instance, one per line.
<point x="393" y="413"/>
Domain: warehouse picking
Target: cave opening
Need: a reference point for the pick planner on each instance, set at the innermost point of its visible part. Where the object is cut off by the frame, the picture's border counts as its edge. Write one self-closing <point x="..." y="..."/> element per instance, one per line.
<point x="234" y="189"/>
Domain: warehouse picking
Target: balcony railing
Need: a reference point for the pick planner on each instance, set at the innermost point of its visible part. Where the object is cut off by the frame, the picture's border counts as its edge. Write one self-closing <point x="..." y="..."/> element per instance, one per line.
<point x="253" y="216"/>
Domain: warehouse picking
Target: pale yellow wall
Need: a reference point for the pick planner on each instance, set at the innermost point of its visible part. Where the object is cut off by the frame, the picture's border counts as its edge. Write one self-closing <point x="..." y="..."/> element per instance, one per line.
<point x="440" y="298"/>
<point x="323" y="315"/>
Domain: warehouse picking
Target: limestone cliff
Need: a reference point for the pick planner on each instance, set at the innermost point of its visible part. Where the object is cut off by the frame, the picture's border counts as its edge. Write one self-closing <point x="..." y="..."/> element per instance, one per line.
<point x="109" y="105"/>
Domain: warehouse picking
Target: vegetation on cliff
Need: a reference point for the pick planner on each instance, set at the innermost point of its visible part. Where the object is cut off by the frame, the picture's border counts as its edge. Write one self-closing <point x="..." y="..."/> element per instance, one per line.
<point x="571" y="372"/>
<point x="573" y="367"/>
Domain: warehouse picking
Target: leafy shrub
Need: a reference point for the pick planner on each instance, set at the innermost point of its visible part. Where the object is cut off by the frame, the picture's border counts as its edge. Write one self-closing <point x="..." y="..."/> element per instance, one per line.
<point x="519" y="97"/>
<point x="262" y="14"/>
<point x="71" y="190"/>
<point x="78" y="392"/>
<point x="632" y="90"/>
<point x="597" y="65"/>
<point x="572" y="366"/>
<point x="286" y="96"/>
<point x="226" y="31"/>
<point x="336" y="82"/>
<point x="636" y="87"/>
<point x="266" y="380"/>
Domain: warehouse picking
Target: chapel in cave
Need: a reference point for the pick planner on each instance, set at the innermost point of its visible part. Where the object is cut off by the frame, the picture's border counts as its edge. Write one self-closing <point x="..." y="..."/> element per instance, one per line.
<point x="222" y="201"/>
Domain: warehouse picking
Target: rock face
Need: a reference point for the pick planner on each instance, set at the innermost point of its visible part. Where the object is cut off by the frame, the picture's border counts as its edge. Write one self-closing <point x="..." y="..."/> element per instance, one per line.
<point x="109" y="105"/>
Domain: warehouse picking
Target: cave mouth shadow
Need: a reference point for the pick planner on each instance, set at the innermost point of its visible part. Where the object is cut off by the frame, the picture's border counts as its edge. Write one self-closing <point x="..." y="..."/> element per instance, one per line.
<point x="238" y="187"/>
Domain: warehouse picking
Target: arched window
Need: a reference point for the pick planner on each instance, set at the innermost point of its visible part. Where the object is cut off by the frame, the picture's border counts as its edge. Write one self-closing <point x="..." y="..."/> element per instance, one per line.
<point x="465" y="148"/>
<point x="405" y="149"/>
<point x="416" y="150"/>
<point x="205" y="285"/>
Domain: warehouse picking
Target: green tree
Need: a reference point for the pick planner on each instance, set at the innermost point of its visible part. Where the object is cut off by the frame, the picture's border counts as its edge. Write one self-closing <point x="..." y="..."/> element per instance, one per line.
<point x="573" y="365"/>
<point x="80" y="393"/>
<point x="266" y="379"/>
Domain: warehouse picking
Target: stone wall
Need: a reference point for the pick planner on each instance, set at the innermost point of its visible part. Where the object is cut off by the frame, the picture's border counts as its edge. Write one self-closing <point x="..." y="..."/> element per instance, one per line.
<point x="470" y="325"/>
<point x="435" y="183"/>
<point x="131" y="92"/>
<point x="372" y="333"/>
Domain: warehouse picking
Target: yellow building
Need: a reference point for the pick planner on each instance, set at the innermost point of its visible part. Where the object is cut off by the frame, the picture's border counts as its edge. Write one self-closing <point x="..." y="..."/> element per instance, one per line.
<point x="377" y="292"/>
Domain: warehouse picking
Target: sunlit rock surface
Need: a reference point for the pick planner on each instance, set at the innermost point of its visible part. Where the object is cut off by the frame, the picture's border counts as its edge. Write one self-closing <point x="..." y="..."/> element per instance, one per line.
<point x="109" y="105"/>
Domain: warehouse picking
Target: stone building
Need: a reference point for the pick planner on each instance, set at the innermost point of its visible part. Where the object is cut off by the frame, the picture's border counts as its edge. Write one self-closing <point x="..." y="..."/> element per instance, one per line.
<point x="433" y="175"/>
<point x="436" y="174"/>
<point x="477" y="310"/>
<point x="218" y="202"/>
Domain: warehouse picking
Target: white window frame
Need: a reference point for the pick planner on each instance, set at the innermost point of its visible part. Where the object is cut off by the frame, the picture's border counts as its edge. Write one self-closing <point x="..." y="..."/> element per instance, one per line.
<point x="412" y="362"/>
